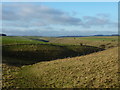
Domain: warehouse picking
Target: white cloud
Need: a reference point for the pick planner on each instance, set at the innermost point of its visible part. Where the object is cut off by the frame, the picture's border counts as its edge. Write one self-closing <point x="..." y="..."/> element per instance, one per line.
<point x="31" y="19"/>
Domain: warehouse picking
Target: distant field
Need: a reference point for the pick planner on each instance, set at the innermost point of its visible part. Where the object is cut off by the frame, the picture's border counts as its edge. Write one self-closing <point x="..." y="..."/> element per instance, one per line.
<point x="8" y="40"/>
<point x="92" y="41"/>
<point x="109" y="41"/>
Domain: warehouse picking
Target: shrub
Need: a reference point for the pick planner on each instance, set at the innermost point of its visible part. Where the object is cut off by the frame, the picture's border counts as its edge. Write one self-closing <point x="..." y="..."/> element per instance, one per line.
<point x="110" y="46"/>
<point x="102" y="46"/>
<point x="108" y="43"/>
<point x="81" y="44"/>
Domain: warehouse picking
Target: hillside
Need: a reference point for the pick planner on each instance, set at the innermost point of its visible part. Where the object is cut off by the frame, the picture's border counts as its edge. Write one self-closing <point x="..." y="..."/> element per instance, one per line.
<point x="109" y="41"/>
<point x="97" y="70"/>
<point x="23" y="54"/>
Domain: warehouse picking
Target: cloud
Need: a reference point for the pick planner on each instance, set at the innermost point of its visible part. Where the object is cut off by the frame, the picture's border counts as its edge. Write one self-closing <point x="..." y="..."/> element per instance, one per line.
<point x="101" y="20"/>
<point x="39" y="15"/>
<point x="49" y="32"/>
<point x="89" y="20"/>
<point x="33" y="13"/>
<point x="34" y="19"/>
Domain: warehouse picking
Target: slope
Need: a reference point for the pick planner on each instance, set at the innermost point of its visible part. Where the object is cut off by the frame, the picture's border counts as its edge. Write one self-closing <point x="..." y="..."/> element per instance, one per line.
<point x="97" y="70"/>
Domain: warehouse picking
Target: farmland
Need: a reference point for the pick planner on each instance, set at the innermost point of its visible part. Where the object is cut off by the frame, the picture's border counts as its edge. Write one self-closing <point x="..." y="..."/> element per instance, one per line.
<point x="60" y="62"/>
<point x="18" y="40"/>
<point x="91" y="41"/>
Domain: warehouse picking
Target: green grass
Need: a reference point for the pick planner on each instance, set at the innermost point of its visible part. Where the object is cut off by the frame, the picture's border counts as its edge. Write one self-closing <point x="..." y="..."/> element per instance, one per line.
<point x="23" y="50"/>
<point x="32" y="53"/>
<point x="100" y="38"/>
<point x="96" y="70"/>
<point x="109" y="41"/>
<point x="8" y="40"/>
<point x="91" y="41"/>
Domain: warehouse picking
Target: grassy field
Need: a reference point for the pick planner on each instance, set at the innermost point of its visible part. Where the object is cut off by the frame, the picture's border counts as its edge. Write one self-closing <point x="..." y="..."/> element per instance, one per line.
<point x="18" y="40"/>
<point x="91" y="41"/>
<point x="32" y="53"/>
<point x="51" y="62"/>
<point x="96" y="70"/>
<point x="109" y="41"/>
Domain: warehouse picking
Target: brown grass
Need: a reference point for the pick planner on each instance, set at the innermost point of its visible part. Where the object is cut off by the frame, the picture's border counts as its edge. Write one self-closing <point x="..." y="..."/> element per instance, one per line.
<point x="97" y="70"/>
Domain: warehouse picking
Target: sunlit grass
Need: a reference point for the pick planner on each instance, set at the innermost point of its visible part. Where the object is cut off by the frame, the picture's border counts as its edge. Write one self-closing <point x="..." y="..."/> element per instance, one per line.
<point x="70" y="70"/>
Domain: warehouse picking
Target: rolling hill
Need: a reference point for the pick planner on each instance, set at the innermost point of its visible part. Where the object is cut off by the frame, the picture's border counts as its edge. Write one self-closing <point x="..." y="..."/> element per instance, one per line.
<point x="97" y="70"/>
<point x="31" y="62"/>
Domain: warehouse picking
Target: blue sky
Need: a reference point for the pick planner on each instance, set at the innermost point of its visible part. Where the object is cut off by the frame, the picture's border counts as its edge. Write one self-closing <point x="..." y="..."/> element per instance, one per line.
<point x="60" y="18"/>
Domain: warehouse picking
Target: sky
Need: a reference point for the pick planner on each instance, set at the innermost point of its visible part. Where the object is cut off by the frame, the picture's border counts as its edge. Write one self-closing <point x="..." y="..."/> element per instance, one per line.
<point x="59" y="18"/>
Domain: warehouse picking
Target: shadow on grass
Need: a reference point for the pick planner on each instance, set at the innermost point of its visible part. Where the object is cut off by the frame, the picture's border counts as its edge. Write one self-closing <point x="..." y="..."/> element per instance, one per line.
<point x="26" y="54"/>
<point x="39" y="40"/>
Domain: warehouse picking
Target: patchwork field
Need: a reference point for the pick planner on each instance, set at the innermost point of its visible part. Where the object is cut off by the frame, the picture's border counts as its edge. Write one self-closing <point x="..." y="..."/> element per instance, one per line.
<point x="64" y="62"/>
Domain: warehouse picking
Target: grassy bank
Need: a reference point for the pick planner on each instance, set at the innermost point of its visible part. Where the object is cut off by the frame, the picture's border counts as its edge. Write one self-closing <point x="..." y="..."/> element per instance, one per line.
<point x="32" y="53"/>
<point x="96" y="70"/>
<point x="49" y="62"/>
